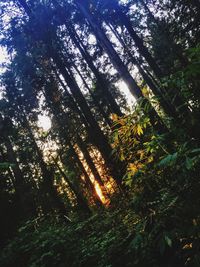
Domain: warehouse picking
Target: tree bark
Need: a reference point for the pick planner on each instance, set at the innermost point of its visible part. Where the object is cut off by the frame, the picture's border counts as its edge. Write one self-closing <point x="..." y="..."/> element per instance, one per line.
<point x="104" y="84"/>
<point x="77" y="94"/>
<point x="138" y="41"/>
<point x="95" y="100"/>
<point x="88" y="182"/>
<point x="89" y="160"/>
<point x="169" y="109"/>
<point x="55" y="108"/>
<point x="48" y="176"/>
<point x="81" y="201"/>
<point x="107" y="46"/>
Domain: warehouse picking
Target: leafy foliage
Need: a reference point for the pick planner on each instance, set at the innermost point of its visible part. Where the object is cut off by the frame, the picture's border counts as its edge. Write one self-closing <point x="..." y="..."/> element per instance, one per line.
<point x="164" y="189"/>
<point x="46" y="242"/>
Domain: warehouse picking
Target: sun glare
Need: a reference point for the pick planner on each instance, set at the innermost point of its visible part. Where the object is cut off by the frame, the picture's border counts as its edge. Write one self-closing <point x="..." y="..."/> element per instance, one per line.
<point x="99" y="193"/>
<point x="44" y="122"/>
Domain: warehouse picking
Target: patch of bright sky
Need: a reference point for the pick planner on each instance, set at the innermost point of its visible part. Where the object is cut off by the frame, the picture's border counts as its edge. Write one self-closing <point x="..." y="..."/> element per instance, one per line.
<point x="124" y="88"/>
<point x="3" y="59"/>
<point x="44" y="122"/>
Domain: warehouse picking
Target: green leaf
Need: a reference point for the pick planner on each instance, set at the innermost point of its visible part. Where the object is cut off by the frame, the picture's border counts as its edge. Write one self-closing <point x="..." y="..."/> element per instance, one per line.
<point x="168" y="160"/>
<point x="189" y="163"/>
<point x="196" y="150"/>
<point x="137" y="241"/>
<point x="168" y="241"/>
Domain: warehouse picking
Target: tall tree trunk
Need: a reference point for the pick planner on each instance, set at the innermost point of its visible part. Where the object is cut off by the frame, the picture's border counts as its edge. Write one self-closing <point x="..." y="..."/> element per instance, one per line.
<point x="169" y="109"/>
<point x="148" y="11"/>
<point x="19" y="183"/>
<point x="96" y="135"/>
<point x="121" y="68"/>
<point x="95" y="100"/>
<point x="56" y="110"/>
<point x="89" y="160"/>
<point x="89" y="184"/>
<point x="138" y="41"/>
<point x="47" y="174"/>
<point x="81" y="201"/>
<point x="103" y="83"/>
<point x="23" y="4"/>
<point x="107" y="46"/>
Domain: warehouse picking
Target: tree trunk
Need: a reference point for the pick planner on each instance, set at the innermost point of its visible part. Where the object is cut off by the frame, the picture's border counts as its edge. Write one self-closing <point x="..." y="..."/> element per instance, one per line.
<point x="104" y="84"/>
<point x="89" y="184"/>
<point x="147" y="10"/>
<point x="20" y="185"/>
<point x="138" y="41"/>
<point x="55" y="108"/>
<point x="95" y="100"/>
<point x="95" y="132"/>
<point x="121" y="68"/>
<point x="81" y="201"/>
<point x="115" y="59"/>
<point x="169" y="109"/>
<point x="48" y="176"/>
<point x="89" y="160"/>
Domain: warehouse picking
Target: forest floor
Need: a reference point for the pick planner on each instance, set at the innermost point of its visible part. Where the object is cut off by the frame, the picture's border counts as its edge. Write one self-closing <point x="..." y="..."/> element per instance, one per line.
<point x="102" y="240"/>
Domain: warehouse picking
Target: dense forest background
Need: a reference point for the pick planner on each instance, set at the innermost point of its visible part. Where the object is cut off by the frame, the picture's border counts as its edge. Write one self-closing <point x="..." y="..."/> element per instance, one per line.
<point x="106" y="185"/>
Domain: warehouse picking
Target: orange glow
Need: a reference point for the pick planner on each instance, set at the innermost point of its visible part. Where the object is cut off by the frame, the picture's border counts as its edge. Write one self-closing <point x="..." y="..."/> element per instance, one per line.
<point x="99" y="193"/>
<point x="99" y="163"/>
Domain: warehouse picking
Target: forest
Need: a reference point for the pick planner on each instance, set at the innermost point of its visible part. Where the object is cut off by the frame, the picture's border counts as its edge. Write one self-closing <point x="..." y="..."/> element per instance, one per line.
<point x="100" y="133"/>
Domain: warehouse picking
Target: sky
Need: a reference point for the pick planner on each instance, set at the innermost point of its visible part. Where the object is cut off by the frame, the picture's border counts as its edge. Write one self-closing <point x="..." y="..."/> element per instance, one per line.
<point x="44" y="122"/>
<point x="2" y="60"/>
<point x="3" y="57"/>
